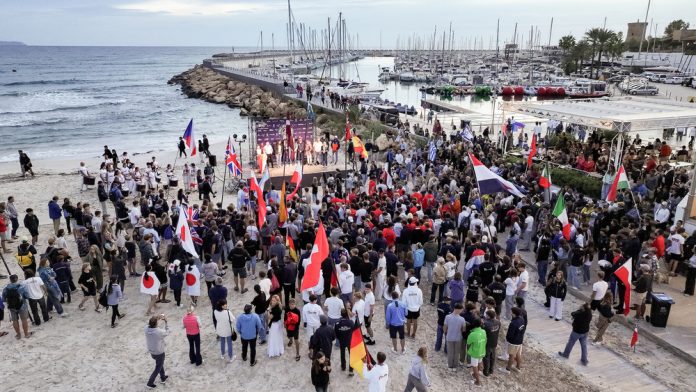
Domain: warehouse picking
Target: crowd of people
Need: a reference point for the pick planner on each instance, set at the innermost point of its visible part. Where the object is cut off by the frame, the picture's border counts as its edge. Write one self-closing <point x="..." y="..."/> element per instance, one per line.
<point x="402" y="235"/>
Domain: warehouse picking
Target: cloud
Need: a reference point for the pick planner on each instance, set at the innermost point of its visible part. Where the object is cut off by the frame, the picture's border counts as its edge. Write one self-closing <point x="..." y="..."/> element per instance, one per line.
<point x="193" y="7"/>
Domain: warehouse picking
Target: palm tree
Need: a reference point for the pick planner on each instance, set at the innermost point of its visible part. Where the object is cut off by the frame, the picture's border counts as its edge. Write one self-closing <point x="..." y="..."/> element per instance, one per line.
<point x="592" y="38"/>
<point x="580" y="52"/>
<point x="615" y="46"/>
<point x="566" y="43"/>
<point x="604" y="36"/>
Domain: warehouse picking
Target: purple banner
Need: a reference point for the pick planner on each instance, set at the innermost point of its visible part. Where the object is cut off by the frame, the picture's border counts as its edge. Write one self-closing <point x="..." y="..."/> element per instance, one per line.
<point x="273" y="130"/>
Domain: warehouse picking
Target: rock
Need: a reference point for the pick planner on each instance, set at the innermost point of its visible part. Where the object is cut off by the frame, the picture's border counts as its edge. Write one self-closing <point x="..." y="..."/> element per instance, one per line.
<point x="243" y="112"/>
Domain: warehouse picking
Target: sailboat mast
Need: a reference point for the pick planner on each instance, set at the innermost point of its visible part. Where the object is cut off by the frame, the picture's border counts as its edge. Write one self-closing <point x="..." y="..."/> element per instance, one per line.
<point x="645" y="26"/>
<point x="290" y="33"/>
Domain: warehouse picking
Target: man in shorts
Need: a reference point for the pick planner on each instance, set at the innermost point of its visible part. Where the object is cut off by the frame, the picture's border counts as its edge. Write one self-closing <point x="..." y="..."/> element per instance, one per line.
<point x="369" y="313"/>
<point x="514" y="339"/>
<point x="239" y="257"/>
<point x="292" y="326"/>
<point x="14" y="296"/>
<point x="476" y="349"/>
<point x="396" y="318"/>
<point x="413" y="298"/>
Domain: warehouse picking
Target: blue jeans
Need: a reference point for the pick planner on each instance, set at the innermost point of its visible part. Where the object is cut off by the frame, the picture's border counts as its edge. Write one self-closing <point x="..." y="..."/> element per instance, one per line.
<point x="543" y="267"/>
<point x="438" y="338"/>
<point x="159" y="368"/>
<point x="262" y="331"/>
<point x="586" y="273"/>
<point x="251" y="264"/>
<point x="429" y="267"/>
<point x="54" y="297"/>
<point x="574" y="337"/>
<point x="228" y="340"/>
<point x="573" y="279"/>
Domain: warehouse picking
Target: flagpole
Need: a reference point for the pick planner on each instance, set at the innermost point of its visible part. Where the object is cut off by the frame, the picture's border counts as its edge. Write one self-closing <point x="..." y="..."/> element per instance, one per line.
<point x="224" y="175"/>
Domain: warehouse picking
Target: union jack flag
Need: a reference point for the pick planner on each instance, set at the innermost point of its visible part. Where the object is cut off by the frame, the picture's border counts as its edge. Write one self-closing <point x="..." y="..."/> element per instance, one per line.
<point x="195" y="237"/>
<point x="231" y="160"/>
<point x="192" y="214"/>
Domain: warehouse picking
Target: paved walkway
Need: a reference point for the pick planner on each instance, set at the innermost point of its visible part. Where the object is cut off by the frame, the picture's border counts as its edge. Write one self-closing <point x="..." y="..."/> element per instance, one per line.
<point x="606" y="369"/>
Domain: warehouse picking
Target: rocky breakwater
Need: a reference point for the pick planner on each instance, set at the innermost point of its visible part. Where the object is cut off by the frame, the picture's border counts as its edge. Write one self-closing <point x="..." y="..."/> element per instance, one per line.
<point x="204" y="83"/>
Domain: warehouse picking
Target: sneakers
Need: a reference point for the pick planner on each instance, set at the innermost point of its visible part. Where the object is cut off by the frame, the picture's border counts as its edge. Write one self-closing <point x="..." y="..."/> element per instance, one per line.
<point x="562" y="355"/>
<point x="233" y="358"/>
<point x="164" y="379"/>
<point x="254" y="363"/>
<point x="504" y="370"/>
<point x="394" y="350"/>
<point x="222" y="357"/>
<point x="63" y="314"/>
<point x="151" y="386"/>
<point x="597" y="343"/>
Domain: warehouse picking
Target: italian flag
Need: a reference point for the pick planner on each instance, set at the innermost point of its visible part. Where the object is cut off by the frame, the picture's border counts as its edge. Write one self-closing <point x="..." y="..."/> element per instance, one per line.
<point x="559" y="211"/>
<point x="620" y="182"/>
<point x="545" y="179"/>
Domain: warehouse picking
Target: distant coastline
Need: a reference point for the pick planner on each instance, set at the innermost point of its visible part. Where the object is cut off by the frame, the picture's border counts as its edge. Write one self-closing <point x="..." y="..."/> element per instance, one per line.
<point x="12" y="43"/>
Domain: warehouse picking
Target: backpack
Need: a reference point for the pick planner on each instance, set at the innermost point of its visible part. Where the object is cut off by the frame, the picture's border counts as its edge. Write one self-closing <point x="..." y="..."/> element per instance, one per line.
<point x="464" y="224"/>
<point x="291" y="321"/>
<point x="13" y="298"/>
<point x="104" y="296"/>
<point x="25" y="260"/>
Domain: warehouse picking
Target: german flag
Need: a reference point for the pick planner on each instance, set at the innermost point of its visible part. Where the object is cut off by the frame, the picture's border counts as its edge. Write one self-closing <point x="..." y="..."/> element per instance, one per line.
<point x="359" y="148"/>
<point x="357" y="351"/>
<point x="290" y="244"/>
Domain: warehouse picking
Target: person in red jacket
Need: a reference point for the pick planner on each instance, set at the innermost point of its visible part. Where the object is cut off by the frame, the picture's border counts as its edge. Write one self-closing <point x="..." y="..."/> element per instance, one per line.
<point x="389" y="235"/>
<point x="659" y="244"/>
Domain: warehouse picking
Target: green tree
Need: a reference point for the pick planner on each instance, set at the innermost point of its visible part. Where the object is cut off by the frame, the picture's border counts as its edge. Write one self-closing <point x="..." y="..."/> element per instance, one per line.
<point x="675" y="25"/>
<point x="615" y="46"/>
<point x="566" y="43"/>
<point x="598" y="39"/>
<point x="578" y="54"/>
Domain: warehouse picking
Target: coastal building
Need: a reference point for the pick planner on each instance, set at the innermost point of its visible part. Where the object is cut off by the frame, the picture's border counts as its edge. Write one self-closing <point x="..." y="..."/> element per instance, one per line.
<point x="636" y="31"/>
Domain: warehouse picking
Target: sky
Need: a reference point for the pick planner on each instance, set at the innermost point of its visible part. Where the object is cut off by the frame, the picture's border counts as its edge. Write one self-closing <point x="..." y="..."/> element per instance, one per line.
<point x="240" y="22"/>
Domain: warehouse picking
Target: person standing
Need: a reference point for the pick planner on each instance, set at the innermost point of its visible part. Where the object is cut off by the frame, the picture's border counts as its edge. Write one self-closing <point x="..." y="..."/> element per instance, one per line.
<point x="36" y="293"/>
<point x="396" y="318"/>
<point x="182" y="147"/>
<point x="323" y="338"/>
<point x="417" y="375"/>
<point x="292" y="320"/>
<point x="514" y="339"/>
<point x="491" y="325"/>
<point x="690" y="276"/>
<point x="54" y="212"/>
<point x="581" y="327"/>
<point x="154" y="339"/>
<point x="14" y="296"/>
<point x="344" y="331"/>
<point x="599" y="289"/>
<point x="25" y="164"/>
<point x="53" y="294"/>
<point x="13" y="215"/>
<point x="605" y="316"/>
<point x="31" y="222"/>
<point x="249" y="324"/>
<point x="321" y="368"/>
<point x="476" y="349"/>
<point x="378" y="376"/>
<point x="276" y="346"/>
<point x="510" y="288"/>
<point x="413" y="298"/>
<point x="192" y="325"/>
<point x="454" y="327"/>
<point x="115" y="295"/>
<point x="556" y="291"/>
<point x="224" y="328"/>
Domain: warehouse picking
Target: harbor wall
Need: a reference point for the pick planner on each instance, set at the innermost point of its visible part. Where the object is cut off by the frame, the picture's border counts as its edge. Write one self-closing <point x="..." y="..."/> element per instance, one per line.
<point x="268" y="84"/>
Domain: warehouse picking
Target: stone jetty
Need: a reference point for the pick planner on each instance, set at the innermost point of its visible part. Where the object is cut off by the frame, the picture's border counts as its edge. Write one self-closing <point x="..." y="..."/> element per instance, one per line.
<point x="204" y="83"/>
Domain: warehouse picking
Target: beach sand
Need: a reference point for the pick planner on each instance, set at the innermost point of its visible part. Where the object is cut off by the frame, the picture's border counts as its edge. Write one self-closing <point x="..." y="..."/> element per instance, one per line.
<point x="82" y="353"/>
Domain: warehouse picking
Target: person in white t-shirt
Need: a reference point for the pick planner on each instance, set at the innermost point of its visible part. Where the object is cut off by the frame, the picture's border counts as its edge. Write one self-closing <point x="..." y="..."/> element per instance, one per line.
<point x="378" y="376"/>
<point x="36" y="295"/>
<point x="333" y="306"/>
<point x="369" y="312"/>
<point x="675" y="250"/>
<point x="599" y="288"/>
<point x="346" y="280"/>
<point x="527" y="233"/>
<point x="523" y="281"/>
<point x="310" y="315"/>
<point x="412" y="296"/>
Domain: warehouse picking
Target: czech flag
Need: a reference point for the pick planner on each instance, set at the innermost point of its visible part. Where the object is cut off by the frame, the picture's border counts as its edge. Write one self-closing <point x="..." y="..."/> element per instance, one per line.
<point x="231" y="160"/>
<point x="320" y="251"/>
<point x="624" y="274"/>
<point x="489" y="182"/>
<point x="189" y="139"/>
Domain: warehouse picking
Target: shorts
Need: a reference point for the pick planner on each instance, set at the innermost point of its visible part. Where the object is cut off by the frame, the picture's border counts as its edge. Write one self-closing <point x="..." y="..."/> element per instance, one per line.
<point x="513" y="349"/>
<point x="474" y="361"/>
<point x="639" y="298"/>
<point x="240" y="272"/>
<point x="310" y="330"/>
<point x="368" y="323"/>
<point x="22" y="313"/>
<point x="394" y="329"/>
<point x="294" y="334"/>
<point x="413" y="315"/>
<point x="164" y="285"/>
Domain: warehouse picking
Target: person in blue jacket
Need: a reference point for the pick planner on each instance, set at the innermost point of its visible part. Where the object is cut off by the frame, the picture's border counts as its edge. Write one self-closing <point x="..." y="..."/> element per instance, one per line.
<point x="396" y="318"/>
<point x="55" y="212"/>
<point x="248" y="325"/>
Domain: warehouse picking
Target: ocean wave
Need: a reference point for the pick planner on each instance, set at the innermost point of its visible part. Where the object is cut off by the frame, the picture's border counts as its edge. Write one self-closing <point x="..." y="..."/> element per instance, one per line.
<point x="15" y="94"/>
<point x="21" y="123"/>
<point x="44" y="82"/>
<point x="65" y="108"/>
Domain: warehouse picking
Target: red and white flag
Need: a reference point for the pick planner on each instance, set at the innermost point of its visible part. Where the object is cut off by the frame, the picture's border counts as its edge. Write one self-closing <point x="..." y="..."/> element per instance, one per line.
<point x="149" y="284"/>
<point x="320" y="251"/>
<point x="532" y="151"/>
<point x="193" y="281"/>
<point x="624" y="274"/>
<point x="296" y="179"/>
<point x="184" y="233"/>
<point x="634" y="338"/>
<point x="261" y="203"/>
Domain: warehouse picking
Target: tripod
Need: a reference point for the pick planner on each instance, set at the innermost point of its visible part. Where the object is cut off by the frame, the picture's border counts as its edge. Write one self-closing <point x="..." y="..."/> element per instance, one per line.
<point x="2" y="256"/>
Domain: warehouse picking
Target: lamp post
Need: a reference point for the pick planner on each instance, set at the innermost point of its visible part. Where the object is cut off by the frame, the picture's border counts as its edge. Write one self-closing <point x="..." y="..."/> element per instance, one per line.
<point x="239" y="140"/>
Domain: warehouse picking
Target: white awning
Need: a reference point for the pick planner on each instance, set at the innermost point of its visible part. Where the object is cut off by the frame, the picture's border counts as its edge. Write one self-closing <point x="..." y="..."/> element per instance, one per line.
<point x="617" y="113"/>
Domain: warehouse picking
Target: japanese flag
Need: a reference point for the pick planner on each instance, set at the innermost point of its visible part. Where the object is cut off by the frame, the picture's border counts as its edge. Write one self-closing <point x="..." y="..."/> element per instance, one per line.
<point x="149" y="284"/>
<point x="193" y="281"/>
<point x="184" y="233"/>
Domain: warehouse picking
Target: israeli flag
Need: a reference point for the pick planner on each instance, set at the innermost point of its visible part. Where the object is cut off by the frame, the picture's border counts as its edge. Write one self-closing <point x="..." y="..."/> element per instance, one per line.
<point x="432" y="152"/>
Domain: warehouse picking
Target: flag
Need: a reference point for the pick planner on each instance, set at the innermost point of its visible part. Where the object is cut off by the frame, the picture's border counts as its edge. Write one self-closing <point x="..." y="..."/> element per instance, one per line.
<point x="261" y="203"/>
<point x="334" y="278"/>
<point x="432" y="152"/>
<point x="261" y="162"/>
<point x="489" y="182"/>
<point x="189" y="139"/>
<point x="193" y="280"/>
<point x="310" y="111"/>
<point x="231" y="160"/>
<point x="624" y="274"/>
<point x="545" y="179"/>
<point x="149" y="284"/>
<point x="320" y="251"/>
<point x="296" y="179"/>
<point x="357" y="351"/>
<point x="359" y="148"/>
<point x="559" y="211"/>
<point x="266" y="175"/>
<point x="348" y="133"/>
<point x="387" y="177"/>
<point x="620" y="182"/>
<point x="634" y="338"/>
<point x="283" y="210"/>
<point x="532" y="151"/>
<point x="477" y="258"/>
<point x="467" y="134"/>
<point x="288" y="134"/>
<point x="290" y="244"/>
<point x="517" y="125"/>
<point x="184" y="233"/>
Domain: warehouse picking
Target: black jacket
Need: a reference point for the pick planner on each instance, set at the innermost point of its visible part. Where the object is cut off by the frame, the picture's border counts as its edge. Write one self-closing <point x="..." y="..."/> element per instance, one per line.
<point x="322" y="340"/>
<point x="581" y="320"/>
<point x="344" y="330"/>
<point x="557" y="289"/>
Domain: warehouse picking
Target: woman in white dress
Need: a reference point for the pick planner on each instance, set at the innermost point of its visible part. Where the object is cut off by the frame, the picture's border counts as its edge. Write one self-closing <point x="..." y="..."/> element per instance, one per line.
<point x="152" y="179"/>
<point x="276" y="343"/>
<point x="186" y="176"/>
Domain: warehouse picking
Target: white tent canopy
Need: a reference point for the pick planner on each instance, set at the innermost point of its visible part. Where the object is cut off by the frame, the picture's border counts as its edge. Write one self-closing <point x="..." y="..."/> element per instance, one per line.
<point x="618" y="113"/>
